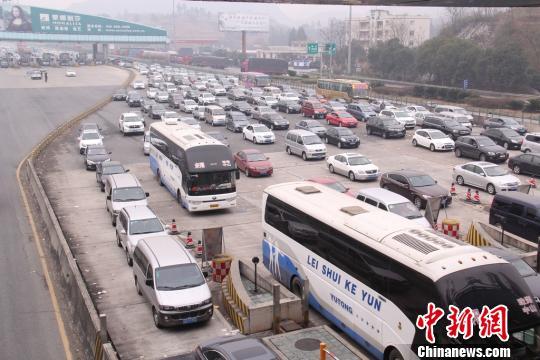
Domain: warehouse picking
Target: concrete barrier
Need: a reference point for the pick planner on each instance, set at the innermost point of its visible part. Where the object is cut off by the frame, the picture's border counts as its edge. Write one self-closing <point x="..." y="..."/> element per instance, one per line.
<point x="249" y="313"/>
<point x="80" y="306"/>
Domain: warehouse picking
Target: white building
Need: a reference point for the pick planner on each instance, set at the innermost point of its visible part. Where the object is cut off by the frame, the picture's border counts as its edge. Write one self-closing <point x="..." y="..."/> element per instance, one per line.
<point x="410" y="30"/>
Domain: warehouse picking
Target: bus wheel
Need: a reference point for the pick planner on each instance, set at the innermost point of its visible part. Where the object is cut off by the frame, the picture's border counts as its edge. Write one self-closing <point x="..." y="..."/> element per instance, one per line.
<point x="395" y="355"/>
<point x="296" y="287"/>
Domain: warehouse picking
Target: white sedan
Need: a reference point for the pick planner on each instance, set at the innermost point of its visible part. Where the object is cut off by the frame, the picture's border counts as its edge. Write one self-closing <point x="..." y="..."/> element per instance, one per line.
<point x="138" y="84"/>
<point x="354" y="166"/>
<point x="432" y="139"/>
<point x="486" y="176"/>
<point x="258" y="134"/>
<point x="151" y="93"/>
<point x="188" y="105"/>
<point x="170" y="117"/>
<point x="89" y="137"/>
<point x="191" y="122"/>
<point x="71" y="73"/>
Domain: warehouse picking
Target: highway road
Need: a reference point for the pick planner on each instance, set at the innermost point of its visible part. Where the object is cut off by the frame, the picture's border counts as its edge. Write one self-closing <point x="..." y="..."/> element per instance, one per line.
<point x="29" y="110"/>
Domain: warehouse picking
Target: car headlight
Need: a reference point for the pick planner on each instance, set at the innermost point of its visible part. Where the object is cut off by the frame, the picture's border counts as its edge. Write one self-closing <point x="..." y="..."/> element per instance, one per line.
<point x="515" y="141"/>
<point x="426" y="196"/>
<point x="455" y="131"/>
<point x="491" y="153"/>
<point x="207" y="301"/>
<point x="89" y="162"/>
<point x="342" y="139"/>
<point x="166" y="308"/>
<point x="360" y="171"/>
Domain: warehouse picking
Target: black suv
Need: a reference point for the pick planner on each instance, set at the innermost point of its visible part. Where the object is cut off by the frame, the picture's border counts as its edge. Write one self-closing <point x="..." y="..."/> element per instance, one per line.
<point x="481" y="148"/>
<point x="289" y="106"/>
<point x="134" y="100"/>
<point x="505" y="123"/>
<point x="386" y="127"/>
<point x="242" y="107"/>
<point x="448" y="126"/>
<point x="236" y="121"/>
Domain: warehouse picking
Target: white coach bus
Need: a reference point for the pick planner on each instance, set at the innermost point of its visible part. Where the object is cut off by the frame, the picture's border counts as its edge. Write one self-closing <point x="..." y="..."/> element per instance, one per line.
<point x="197" y="169"/>
<point x="372" y="273"/>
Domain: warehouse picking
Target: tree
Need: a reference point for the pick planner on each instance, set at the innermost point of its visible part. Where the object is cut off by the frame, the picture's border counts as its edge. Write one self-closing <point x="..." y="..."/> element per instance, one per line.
<point x="301" y="34"/>
<point x="292" y="36"/>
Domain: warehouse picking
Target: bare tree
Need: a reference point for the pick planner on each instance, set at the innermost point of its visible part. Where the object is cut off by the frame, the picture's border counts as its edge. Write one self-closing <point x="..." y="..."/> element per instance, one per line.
<point x="399" y="29"/>
<point x="335" y="32"/>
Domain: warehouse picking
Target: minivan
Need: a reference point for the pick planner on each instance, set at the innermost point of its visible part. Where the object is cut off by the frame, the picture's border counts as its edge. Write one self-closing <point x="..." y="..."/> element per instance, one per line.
<point x="390" y="201"/>
<point x="168" y="276"/>
<point x="304" y="143"/>
<point x="460" y="118"/>
<point x="214" y="115"/>
<point x="517" y="213"/>
<point x="123" y="190"/>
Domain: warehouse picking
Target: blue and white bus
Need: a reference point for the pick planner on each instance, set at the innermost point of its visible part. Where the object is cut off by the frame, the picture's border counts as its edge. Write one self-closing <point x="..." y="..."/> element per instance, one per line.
<point x="197" y="169"/>
<point x="372" y="273"/>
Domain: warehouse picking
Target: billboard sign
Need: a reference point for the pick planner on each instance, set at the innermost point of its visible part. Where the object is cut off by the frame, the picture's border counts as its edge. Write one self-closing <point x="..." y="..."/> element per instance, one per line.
<point x="18" y="18"/>
<point x="243" y="22"/>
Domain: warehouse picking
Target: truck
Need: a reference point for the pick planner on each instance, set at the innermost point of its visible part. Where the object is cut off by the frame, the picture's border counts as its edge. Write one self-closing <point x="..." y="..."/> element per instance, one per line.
<point x="265" y="66"/>
<point x="215" y="62"/>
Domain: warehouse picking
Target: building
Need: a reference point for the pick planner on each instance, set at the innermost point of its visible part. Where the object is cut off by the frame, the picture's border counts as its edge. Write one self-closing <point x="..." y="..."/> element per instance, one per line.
<point x="410" y="30"/>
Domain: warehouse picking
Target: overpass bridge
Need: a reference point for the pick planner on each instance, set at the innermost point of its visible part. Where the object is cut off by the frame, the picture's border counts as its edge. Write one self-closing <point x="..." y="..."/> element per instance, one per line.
<point x="37" y="24"/>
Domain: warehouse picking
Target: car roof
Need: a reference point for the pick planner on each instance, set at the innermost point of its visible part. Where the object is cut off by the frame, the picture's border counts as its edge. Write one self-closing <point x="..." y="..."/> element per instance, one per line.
<point x="483" y="164"/>
<point x="139" y="212"/>
<point x="383" y="195"/>
<point x="166" y="250"/>
<point x="519" y="197"/>
<point x="252" y="151"/>
<point x="124" y="180"/>
<point x="301" y="132"/>
<point x="407" y="172"/>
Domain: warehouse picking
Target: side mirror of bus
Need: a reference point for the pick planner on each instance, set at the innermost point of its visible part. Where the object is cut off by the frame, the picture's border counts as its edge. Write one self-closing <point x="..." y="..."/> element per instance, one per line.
<point x="127" y="170"/>
<point x="108" y="197"/>
<point x="237" y="173"/>
<point x="147" y="194"/>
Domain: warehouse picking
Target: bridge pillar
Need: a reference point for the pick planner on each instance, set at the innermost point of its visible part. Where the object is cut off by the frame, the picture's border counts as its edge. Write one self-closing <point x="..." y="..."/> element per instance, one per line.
<point x="94" y="52"/>
<point x="105" y="48"/>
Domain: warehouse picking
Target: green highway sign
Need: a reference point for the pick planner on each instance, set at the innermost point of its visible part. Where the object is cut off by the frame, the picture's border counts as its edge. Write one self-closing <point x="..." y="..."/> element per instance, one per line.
<point x="312" y="48"/>
<point x="330" y="48"/>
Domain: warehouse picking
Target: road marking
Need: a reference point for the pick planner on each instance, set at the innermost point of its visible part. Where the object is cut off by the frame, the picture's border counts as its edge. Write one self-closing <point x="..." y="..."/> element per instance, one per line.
<point x="44" y="266"/>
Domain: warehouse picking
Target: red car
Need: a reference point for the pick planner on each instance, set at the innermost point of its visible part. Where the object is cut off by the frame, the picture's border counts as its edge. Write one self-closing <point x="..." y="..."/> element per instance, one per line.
<point x="313" y="109"/>
<point x="333" y="184"/>
<point x="253" y="163"/>
<point x="341" y="118"/>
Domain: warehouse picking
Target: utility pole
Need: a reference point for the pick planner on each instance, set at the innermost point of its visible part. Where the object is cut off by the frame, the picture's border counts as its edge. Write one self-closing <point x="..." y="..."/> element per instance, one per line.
<point x="350" y="41"/>
<point x="173" y="25"/>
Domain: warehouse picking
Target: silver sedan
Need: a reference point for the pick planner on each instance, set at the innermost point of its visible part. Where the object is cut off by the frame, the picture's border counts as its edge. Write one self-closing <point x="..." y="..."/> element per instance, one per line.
<point x="486" y="176"/>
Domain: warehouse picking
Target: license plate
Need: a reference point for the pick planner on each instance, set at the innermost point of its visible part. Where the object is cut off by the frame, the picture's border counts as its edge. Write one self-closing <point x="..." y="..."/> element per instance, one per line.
<point x="214" y="205"/>
<point x="190" y="320"/>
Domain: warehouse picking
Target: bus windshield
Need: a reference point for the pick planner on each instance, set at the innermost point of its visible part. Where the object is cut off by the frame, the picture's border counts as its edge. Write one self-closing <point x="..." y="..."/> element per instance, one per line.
<point x="262" y="80"/>
<point x="211" y="183"/>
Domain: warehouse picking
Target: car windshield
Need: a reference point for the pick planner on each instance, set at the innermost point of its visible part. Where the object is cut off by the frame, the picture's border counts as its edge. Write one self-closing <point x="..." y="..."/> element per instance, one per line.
<point x="218" y="112"/>
<point x="344" y="115"/>
<point x="421" y="108"/>
<point x="401" y="114"/>
<point x="158" y="107"/>
<point x="89" y="127"/>
<point x="485" y="142"/>
<point x="291" y="103"/>
<point x="344" y="132"/>
<point x="145" y="226"/>
<point x="421" y="180"/>
<point x="461" y="111"/>
<point x="256" y="157"/>
<point x="406" y="209"/>
<point x="114" y="169"/>
<point x="509" y="133"/>
<point x="190" y="121"/>
<point x="358" y="160"/>
<point x="190" y="102"/>
<point x="131" y="118"/>
<point x="275" y="117"/>
<point x="170" y="114"/>
<point x="128" y="194"/>
<point x="90" y="136"/>
<point x="451" y="123"/>
<point x="163" y="94"/>
<point x="312" y="124"/>
<point x="337" y="186"/>
<point x="365" y="108"/>
<point x="312" y="139"/>
<point x="97" y="151"/>
<point x="495" y="171"/>
<point x="437" y="135"/>
<point x="510" y="122"/>
<point x="207" y="95"/>
<point x="178" y="277"/>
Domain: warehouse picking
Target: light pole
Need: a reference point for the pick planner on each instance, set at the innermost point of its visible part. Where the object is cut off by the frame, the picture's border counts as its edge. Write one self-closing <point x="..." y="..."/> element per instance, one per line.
<point x="173" y="23"/>
<point x="350" y="41"/>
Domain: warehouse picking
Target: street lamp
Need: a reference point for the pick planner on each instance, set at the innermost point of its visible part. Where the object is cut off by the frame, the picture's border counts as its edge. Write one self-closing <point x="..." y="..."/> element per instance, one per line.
<point x="255" y="261"/>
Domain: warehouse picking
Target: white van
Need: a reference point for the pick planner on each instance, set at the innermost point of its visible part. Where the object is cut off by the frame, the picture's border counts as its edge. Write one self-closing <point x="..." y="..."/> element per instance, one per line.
<point x="531" y="143"/>
<point x="214" y="115"/>
<point x="123" y="190"/>
<point x="271" y="91"/>
<point x="304" y="143"/>
<point x="168" y="276"/>
<point x="454" y="109"/>
<point x="394" y="203"/>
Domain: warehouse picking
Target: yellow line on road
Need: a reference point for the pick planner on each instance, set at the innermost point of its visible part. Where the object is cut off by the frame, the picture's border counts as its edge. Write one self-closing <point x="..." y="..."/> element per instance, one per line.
<point x="44" y="266"/>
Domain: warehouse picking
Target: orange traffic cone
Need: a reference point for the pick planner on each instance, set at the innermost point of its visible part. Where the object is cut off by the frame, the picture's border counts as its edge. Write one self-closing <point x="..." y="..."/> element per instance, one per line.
<point x="532" y="182"/>
<point x="189" y="241"/>
<point x="453" y="190"/>
<point x="173" y="230"/>
<point x="476" y="198"/>
<point x="199" y="249"/>
<point x="468" y="195"/>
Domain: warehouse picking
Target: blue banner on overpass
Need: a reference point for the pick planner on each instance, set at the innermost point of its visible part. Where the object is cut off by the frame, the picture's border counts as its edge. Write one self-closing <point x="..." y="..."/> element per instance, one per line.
<point x="78" y="27"/>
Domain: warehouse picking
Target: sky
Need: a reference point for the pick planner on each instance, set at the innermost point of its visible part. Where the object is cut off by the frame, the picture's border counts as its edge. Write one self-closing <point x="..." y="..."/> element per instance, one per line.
<point x="285" y="12"/>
